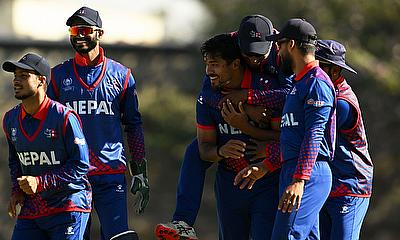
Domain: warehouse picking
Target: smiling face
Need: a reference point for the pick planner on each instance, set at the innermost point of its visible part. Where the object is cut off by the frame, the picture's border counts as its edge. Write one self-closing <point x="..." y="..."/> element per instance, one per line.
<point x="218" y="70"/>
<point x="26" y="83"/>
<point x="84" y="37"/>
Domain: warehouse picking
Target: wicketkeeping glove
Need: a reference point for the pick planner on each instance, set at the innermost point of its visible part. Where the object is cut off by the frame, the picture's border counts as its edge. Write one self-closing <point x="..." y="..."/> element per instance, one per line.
<point x="140" y="184"/>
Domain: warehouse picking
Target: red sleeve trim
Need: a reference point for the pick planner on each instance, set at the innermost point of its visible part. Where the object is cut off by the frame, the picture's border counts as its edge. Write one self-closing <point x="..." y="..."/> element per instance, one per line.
<point x="128" y="74"/>
<point x="301" y="176"/>
<point x="53" y="83"/>
<point x="205" y="127"/>
<point x="39" y="184"/>
<point x="270" y="166"/>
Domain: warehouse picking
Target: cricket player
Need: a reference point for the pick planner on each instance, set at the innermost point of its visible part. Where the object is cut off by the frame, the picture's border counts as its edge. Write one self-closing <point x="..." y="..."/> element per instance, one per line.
<point x="48" y="159"/>
<point x="260" y="56"/>
<point x="307" y="136"/>
<point x="241" y="213"/>
<point x="352" y="169"/>
<point x="103" y="93"/>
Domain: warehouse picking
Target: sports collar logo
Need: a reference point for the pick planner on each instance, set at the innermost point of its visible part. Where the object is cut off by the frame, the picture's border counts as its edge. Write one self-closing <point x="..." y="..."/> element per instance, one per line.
<point x="50" y="133"/>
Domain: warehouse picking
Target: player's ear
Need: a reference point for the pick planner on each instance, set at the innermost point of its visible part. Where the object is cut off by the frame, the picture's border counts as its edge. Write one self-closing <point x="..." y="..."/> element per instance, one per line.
<point x="42" y="80"/>
<point x="236" y="63"/>
<point x="99" y="34"/>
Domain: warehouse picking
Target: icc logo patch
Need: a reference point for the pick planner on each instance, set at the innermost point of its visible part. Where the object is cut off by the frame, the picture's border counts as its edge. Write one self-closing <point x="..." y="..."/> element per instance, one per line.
<point x="67" y="82"/>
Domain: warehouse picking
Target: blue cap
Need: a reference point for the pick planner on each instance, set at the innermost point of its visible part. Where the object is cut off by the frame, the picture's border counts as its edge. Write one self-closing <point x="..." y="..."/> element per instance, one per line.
<point x="252" y="33"/>
<point x="90" y="16"/>
<point x="30" y="61"/>
<point x="332" y="52"/>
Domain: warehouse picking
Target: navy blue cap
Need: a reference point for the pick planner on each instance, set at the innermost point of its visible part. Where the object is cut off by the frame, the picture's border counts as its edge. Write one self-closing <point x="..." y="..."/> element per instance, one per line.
<point x="30" y="61"/>
<point x="90" y="16"/>
<point x="296" y="29"/>
<point x="332" y="52"/>
<point x="252" y="34"/>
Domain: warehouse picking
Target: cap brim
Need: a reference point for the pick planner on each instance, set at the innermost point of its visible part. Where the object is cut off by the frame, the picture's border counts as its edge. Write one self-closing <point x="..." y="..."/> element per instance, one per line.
<point x="340" y="64"/>
<point x="256" y="47"/>
<point x="273" y="37"/>
<point x="9" y="66"/>
<point x="87" y="20"/>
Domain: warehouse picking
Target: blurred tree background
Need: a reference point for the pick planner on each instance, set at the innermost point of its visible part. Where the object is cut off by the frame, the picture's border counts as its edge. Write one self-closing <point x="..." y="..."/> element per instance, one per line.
<point x="168" y="79"/>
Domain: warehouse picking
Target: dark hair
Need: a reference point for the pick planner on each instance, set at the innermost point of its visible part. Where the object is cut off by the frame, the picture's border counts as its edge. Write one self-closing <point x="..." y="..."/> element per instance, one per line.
<point x="222" y="45"/>
<point x="305" y="47"/>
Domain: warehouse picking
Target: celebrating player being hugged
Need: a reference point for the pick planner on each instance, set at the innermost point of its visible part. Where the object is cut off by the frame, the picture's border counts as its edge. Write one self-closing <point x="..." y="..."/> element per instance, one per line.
<point x="48" y="159"/>
<point x="103" y="92"/>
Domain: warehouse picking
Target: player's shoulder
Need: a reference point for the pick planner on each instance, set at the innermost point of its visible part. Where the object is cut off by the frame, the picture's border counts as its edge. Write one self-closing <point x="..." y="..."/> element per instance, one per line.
<point x="116" y="64"/>
<point x="62" y="64"/>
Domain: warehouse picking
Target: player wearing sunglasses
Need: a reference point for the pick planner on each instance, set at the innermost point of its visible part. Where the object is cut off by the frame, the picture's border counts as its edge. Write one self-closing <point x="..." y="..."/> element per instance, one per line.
<point x="103" y="93"/>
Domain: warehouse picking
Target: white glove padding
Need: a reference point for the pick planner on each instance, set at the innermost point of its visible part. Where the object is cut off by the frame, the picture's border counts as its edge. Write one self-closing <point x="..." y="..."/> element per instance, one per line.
<point x="140" y="189"/>
<point x="140" y="184"/>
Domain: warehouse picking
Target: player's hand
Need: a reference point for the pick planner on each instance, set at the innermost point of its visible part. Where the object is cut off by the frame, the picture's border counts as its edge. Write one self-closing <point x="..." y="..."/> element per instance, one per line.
<point x="140" y="185"/>
<point x="235" y="96"/>
<point x="15" y="204"/>
<point x="232" y="117"/>
<point x="28" y="184"/>
<point x="249" y="175"/>
<point x="232" y="149"/>
<point x="292" y="196"/>
<point x="256" y="149"/>
<point x="259" y="114"/>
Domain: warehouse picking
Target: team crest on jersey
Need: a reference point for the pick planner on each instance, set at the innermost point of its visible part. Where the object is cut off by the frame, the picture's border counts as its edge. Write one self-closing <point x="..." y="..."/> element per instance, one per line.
<point x="14" y="134"/>
<point x="67" y="82"/>
<point x="50" y="133"/>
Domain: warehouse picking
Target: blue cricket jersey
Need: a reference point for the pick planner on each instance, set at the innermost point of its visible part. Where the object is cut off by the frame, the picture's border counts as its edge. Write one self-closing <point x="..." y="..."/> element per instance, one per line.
<point x="49" y="145"/>
<point x="210" y="118"/>
<point x="309" y="120"/>
<point x="104" y="96"/>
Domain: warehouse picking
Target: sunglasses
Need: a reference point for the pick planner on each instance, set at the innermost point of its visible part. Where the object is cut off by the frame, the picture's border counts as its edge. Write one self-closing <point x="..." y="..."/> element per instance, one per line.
<point x="82" y="30"/>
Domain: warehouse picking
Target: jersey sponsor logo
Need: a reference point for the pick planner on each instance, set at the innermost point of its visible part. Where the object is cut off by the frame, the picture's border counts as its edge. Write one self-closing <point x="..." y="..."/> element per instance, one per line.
<point x="50" y="133"/>
<point x="228" y="129"/>
<point x="79" y="141"/>
<point x="91" y="107"/>
<point x="315" y="103"/>
<point x="37" y="158"/>
<point x="14" y="134"/>
<point x="288" y="120"/>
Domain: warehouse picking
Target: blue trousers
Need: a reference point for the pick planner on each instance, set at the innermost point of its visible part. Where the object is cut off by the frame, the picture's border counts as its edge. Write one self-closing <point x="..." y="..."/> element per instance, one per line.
<point x="190" y="185"/>
<point x="304" y="223"/>
<point x="60" y="226"/>
<point x="342" y="217"/>
<point x="110" y="202"/>
<point x="246" y="214"/>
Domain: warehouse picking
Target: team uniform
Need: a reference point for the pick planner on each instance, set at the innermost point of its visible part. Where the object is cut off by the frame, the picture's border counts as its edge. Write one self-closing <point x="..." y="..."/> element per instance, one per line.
<point x="104" y="96"/>
<point x="352" y="170"/>
<point x="192" y="173"/>
<point x="307" y="145"/>
<point x="49" y="145"/>
<point x="241" y="213"/>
